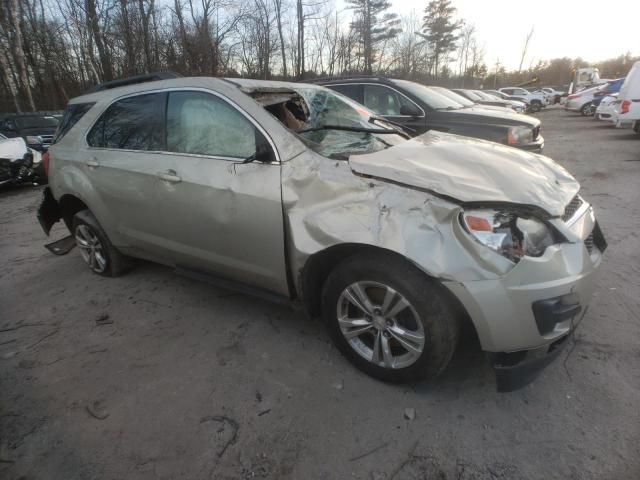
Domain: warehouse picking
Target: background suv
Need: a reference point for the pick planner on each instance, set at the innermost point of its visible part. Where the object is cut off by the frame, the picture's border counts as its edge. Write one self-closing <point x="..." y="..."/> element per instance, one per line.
<point x="421" y="108"/>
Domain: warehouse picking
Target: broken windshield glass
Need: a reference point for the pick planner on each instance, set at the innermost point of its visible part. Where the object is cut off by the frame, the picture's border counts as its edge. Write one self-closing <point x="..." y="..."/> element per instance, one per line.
<point x="329" y="123"/>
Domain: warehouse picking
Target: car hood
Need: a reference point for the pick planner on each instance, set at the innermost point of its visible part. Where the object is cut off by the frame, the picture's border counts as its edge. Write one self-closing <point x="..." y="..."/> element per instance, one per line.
<point x="471" y="170"/>
<point x="492" y="116"/>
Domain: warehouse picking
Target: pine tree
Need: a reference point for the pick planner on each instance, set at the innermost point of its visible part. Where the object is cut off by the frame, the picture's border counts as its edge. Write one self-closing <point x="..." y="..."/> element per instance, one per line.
<point x="373" y="26"/>
<point x="440" y="30"/>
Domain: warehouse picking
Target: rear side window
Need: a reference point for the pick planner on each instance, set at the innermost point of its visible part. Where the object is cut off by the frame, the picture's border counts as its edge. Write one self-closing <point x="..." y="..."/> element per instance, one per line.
<point x="134" y="123"/>
<point x="72" y="114"/>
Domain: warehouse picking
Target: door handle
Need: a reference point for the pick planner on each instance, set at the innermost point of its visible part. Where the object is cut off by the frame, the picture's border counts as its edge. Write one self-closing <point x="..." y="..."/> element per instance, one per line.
<point x="92" y="163"/>
<point x="169" y="176"/>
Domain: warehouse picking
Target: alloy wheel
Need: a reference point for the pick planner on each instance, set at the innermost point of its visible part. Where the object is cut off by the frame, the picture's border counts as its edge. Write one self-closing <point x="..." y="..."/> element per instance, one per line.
<point x="380" y="324"/>
<point x="91" y="248"/>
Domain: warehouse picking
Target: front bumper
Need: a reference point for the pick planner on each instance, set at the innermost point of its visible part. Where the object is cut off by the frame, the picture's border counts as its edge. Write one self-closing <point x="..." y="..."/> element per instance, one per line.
<point x="535" y="147"/>
<point x="536" y="304"/>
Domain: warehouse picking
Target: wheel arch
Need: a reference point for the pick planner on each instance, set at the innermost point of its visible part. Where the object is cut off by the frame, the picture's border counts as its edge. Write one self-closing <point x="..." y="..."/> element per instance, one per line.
<point x="319" y="265"/>
<point x="70" y="204"/>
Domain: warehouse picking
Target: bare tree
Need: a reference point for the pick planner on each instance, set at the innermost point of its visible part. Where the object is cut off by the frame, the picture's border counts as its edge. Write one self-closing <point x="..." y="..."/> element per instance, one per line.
<point x="524" y="49"/>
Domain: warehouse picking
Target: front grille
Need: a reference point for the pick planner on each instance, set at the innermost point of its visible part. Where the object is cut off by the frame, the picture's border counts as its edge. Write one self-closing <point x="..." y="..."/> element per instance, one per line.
<point x="572" y="208"/>
<point x="588" y="242"/>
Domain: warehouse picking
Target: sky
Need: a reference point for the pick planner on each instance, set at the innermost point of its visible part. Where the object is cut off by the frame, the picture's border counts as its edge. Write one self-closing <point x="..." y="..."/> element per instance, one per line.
<point x="589" y="29"/>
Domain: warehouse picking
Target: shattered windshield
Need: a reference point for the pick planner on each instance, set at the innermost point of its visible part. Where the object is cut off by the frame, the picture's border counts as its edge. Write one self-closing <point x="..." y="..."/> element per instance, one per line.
<point x="331" y="124"/>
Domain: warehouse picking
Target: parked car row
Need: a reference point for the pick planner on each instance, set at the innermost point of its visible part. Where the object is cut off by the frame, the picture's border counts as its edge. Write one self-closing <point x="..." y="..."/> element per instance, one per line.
<point x="353" y="199"/>
<point x="617" y="101"/>
<point x="24" y="137"/>
<point x="420" y="108"/>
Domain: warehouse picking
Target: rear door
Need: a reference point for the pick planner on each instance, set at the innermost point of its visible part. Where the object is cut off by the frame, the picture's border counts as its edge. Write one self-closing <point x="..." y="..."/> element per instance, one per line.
<point x="122" y="164"/>
<point x="219" y="214"/>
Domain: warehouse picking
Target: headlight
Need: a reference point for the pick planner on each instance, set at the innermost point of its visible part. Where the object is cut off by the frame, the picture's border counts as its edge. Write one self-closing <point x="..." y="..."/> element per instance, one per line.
<point x="508" y="234"/>
<point x="519" y="135"/>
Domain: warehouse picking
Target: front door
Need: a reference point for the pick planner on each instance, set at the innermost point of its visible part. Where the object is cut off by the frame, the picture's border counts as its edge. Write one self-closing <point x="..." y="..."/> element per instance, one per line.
<point x="218" y="214"/>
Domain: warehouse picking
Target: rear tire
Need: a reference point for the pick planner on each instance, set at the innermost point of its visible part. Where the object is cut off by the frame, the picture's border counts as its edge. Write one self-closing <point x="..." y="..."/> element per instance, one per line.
<point x="389" y="319"/>
<point x="95" y="247"/>
<point x="586" y="110"/>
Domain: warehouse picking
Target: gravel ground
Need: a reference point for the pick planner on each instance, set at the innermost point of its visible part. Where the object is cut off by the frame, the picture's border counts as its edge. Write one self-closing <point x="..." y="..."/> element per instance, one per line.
<point x="152" y="375"/>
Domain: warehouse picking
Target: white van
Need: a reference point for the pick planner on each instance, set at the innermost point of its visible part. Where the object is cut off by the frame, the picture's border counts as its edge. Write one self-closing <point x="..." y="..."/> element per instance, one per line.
<point x="629" y="100"/>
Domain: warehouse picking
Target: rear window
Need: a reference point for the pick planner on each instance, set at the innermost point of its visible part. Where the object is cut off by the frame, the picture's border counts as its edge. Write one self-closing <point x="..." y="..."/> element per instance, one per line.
<point x="134" y="123"/>
<point x="72" y="114"/>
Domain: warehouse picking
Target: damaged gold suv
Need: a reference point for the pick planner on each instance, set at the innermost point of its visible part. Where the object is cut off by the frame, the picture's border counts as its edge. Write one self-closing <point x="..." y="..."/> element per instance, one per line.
<point x="296" y="192"/>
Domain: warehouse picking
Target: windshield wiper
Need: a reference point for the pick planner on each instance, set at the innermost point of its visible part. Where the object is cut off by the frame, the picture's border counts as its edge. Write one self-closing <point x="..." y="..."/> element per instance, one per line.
<point x="401" y="128"/>
<point x="349" y="129"/>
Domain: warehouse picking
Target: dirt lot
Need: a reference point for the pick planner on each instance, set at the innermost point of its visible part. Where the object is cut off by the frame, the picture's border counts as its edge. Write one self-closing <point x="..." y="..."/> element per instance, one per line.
<point x="182" y="380"/>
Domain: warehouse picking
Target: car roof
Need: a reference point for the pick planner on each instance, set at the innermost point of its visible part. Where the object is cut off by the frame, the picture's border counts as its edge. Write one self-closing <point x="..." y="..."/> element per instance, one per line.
<point x="182" y="82"/>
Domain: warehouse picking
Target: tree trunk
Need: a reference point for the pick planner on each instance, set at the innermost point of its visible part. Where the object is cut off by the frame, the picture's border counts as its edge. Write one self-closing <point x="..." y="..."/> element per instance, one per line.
<point x="94" y="28"/>
<point x="282" y="51"/>
<point x="18" y="54"/>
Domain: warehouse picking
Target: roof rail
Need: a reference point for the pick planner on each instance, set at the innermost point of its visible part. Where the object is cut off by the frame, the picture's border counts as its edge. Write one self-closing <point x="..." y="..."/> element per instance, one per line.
<point x="145" y="77"/>
<point x="344" y="77"/>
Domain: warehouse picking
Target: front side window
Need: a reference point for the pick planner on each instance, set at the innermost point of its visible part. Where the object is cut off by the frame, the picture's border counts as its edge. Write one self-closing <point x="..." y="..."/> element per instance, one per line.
<point x="203" y="124"/>
<point x="134" y="123"/>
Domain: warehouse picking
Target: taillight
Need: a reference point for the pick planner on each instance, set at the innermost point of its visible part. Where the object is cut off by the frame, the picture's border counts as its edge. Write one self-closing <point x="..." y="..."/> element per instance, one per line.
<point x="45" y="163"/>
<point x="571" y="97"/>
<point x="624" y="108"/>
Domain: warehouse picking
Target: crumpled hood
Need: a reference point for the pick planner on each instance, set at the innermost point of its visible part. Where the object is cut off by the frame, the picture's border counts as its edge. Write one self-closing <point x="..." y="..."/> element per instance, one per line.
<point x="471" y="170"/>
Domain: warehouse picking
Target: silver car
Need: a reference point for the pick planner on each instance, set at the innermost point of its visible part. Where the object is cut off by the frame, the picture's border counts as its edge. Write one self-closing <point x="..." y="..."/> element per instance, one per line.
<point x="295" y="192"/>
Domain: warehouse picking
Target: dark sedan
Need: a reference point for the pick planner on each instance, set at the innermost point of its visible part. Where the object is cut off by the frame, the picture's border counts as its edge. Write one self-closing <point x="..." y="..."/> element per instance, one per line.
<point x="420" y="108"/>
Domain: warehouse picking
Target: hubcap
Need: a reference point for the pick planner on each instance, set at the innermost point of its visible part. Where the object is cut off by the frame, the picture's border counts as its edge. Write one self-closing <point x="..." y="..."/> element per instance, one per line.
<point x="91" y="249"/>
<point x="380" y="324"/>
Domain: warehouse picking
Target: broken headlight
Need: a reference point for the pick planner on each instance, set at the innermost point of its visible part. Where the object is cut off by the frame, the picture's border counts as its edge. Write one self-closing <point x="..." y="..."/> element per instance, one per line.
<point x="508" y="234"/>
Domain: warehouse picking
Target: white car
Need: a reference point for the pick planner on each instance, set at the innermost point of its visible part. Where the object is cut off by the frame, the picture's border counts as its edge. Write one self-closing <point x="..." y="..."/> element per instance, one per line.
<point x="554" y="95"/>
<point x="536" y="101"/>
<point x="581" y="101"/>
<point x="629" y="99"/>
<point x="607" y="109"/>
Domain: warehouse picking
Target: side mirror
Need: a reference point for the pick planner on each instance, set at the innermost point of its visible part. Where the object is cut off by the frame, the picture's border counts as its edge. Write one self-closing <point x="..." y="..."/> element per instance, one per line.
<point x="410" y="110"/>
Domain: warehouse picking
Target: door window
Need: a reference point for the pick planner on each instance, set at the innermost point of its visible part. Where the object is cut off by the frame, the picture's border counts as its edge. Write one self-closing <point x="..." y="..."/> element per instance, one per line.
<point x="203" y="124"/>
<point x="383" y="100"/>
<point x="133" y="123"/>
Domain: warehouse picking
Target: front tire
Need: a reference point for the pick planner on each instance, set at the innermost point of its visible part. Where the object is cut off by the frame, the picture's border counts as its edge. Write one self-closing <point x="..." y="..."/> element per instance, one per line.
<point x="389" y="319"/>
<point x="535" y="107"/>
<point x="95" y="248"/>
